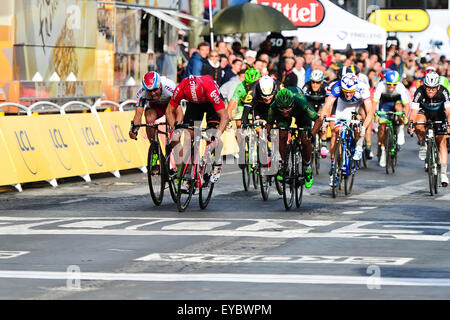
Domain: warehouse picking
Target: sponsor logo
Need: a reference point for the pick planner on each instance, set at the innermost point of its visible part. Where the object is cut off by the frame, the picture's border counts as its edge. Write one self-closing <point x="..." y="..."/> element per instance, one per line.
<point x="401" y="20"/>
<point x="215" y="97"/>
<point x="307" y="13"/>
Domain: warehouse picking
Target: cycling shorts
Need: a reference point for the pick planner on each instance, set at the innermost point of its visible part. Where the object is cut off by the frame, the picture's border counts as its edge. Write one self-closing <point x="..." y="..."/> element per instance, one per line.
<point x="196" y="111"/>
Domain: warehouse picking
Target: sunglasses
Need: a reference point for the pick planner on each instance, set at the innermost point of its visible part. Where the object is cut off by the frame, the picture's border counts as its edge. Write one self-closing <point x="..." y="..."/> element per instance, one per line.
<point x="391" y="84"/>
<point x="285" y="108"/>
<point x="316" y="82"/>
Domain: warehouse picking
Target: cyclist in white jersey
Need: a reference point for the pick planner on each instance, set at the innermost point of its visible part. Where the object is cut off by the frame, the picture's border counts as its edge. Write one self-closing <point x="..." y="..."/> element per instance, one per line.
<point x="391" y="95"/>
<point x="350" y="95"/>
<point x="152" y="100"/>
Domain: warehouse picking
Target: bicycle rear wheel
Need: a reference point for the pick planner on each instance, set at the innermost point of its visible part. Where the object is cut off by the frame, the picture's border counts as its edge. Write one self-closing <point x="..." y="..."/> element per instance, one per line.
<point x="288" y="179"/>
<point x="365" y="161"/>
<point x="185" y="187"/>
<point x="348" y="180"/>
<point x="388" y="150"/>
<point x="246" y="175"/>
<point x="298" y="178"/>
<point x="431" y="168"/>
<point x="337" y="172"/>
<point x="156" y="173"/>
<point x="207" y="187"/>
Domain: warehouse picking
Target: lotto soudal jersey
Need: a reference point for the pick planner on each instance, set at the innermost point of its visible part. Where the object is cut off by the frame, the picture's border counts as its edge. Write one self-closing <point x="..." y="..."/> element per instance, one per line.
<point x="204" y="90"/>
<point x="144" y="99"/>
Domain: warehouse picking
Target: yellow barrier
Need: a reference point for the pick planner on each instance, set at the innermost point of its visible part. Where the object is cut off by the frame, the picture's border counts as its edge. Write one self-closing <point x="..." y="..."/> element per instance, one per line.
<point x="24" y="141"/>
<point x="92" y="142"/>
<point x="116" y="126"/>
<point x="8" y="170"/>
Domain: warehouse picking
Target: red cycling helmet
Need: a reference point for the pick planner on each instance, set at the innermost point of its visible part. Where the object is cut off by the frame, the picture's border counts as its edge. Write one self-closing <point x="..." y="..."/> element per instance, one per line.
<point x="193" y="90"/>
<point x="151" y="81"/>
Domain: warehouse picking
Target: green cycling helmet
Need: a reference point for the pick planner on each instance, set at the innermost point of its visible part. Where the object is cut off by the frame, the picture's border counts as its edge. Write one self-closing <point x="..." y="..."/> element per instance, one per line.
<point x="251" y="75"/>
<point x="284" y="98"/>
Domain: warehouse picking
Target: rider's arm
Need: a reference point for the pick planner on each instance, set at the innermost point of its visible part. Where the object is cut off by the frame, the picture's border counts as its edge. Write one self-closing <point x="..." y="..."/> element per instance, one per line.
<point x="231" y="106"/>
<point x="137" y="121"/>
<point x="327" y="107"/>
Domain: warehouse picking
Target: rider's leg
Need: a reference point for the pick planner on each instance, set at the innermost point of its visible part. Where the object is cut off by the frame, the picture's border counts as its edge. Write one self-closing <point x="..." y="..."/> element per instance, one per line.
<point x="399" y="119"/>
<point x="420" y="132"/>
<point x="441" y="141"/>
<point x="150" y="117"/>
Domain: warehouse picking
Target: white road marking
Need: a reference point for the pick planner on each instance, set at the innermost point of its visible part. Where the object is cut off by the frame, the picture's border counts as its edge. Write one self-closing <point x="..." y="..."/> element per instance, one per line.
<point x="278" y="228"/>
<point x="209" y="225"/>
<point x="347" y="202"/>
<point x="12" y="254"/>
<point x="367" y="208"/>
<point x="214" y="258"/>
<point x="353" y="212"/>
<point x="94" y="224"/>
<point x="230" y="277"/>
<point x="75" y="200"/>
<point x="445" y="197"/>
<point x="391" y="192"/>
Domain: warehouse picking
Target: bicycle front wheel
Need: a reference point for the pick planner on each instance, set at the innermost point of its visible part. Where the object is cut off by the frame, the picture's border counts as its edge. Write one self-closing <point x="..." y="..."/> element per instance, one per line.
<point x="185" y="188"/>
<point x="348" y="180"/>
<point x="337" y="172"/>
<point x="388" y="146"/>
<point x="288" y="179"/>
<point x="298" y="178"/>
<point x="207" y="187"/>
<point x="156" y="173"/>
<point x="246" y="175"/>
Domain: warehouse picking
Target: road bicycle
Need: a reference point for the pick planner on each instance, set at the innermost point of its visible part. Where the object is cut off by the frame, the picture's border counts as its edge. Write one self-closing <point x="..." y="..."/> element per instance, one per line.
<point x="249" y="167"/>
<point x="292" y="169"/>
<point x="160" y="167"/>
<point x="315" y="155"/>
<point x="391" y="146"/>
<point x="432" y="162"/>
<point x="196" y="170"/>
<point x="344" y="166"/>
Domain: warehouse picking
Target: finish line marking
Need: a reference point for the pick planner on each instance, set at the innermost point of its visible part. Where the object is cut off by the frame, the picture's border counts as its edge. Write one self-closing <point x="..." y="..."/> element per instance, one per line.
<point x="221" y="277"/>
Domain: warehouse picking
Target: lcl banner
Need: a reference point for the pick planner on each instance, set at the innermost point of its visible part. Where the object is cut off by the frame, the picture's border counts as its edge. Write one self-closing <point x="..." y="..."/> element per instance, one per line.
<point x="306" y="13"/>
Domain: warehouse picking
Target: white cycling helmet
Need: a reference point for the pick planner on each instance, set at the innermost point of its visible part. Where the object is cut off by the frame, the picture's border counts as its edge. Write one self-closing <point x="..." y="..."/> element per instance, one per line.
<point x="317" y="75"/>
<point x="266" y="85"/>
<point x="431" y="80"/>
<point x="349" y="82"/>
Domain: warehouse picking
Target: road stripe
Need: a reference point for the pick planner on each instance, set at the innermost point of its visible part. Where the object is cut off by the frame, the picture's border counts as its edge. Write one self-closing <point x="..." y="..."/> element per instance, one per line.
<point x="75" y="200"/>
<point x="223" y="277"/>
<point x="391" y="192"/>
<point x="242" y="258"/>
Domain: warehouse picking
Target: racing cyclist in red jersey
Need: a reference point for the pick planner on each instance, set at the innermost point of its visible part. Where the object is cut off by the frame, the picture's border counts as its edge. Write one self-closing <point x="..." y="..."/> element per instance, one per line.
<point x="203" y="96"/>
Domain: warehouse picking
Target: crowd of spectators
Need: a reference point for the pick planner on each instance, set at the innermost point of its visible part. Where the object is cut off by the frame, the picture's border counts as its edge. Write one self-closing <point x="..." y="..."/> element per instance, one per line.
<point x="293" y="64"/>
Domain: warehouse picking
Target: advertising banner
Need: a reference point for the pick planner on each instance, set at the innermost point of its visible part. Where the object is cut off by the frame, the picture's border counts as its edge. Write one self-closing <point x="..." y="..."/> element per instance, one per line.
<point x="307" y="13"/>
<point x="7" y="169"/>
<point x="92" y="142"/>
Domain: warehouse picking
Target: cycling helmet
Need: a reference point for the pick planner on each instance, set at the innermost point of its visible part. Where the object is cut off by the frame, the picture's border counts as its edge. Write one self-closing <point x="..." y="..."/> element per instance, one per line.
<point x="266" y="85"/>
<point x="317" y="75"/>
<point x="349" y="82"/>
<point x="193" y="90"/>
<point x="431" y="80"/>
<point x="284" y="98"/>
<point x="251" y="75"/>
<point x="392" y="77"/>
<point x="151" y="81"/>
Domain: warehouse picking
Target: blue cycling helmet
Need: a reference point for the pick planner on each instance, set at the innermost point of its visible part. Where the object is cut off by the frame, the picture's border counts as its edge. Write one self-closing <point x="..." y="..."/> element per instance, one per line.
<point x="392" y="77"/>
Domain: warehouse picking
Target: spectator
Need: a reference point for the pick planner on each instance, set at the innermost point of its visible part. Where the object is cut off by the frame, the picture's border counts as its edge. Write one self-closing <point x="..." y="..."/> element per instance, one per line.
<point x="299" y="71"/>
<point x="236" y="47"/>
<point x="236" y="66"/>
<point x="250" y="57"/>
<point x="409" y="70"/>
<point x="195" y="64"/>
<point x="227" y="89"/>
<point x="212" y="67"/>
<point x="397" y="65"/>
<point x="325" y="58"/>
<point x="265" y="47"/>
<point x="309" y="57"/>
<point x="261" y="66"/>
<point x="287" y="76"/>
<point x="222" y="48"/>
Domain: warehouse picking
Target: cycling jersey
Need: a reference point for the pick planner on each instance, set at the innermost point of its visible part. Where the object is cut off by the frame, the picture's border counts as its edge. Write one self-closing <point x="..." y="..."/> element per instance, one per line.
<point x="344" y="107"/>
<point x="382" y="95"/>
<point x="254" y="102"/>
<point x="432" y="108"/>
<point x="315" y="99"/>
<point x="239" y="95"/>
<point x="145" y="101"/>
<point x="302" y="112"/>
<point x="210" y="91"/>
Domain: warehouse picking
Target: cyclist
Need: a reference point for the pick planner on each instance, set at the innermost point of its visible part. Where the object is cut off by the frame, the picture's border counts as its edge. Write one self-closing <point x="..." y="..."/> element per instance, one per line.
<point x="291" y="103"/>
<point x="152" y="97"/>
<point x="259" y="97"/>
<point x="237" y="100"/>
<point x="390" y="95"/>
<point x="315" y="93"/>
<point x="432" y="102"/>
<point x="350" y="94"/>
<point x="203" y="96"/>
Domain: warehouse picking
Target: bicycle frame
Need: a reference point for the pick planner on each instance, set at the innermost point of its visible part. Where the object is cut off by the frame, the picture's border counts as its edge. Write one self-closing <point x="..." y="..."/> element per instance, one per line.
<point x="347" y="135"/>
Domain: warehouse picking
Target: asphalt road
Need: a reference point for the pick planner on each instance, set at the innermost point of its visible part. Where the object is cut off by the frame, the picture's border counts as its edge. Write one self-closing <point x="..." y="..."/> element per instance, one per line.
<point x="106" y="240"/>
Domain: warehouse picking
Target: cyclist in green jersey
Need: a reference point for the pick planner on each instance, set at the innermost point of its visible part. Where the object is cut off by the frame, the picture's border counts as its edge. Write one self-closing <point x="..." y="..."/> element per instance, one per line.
<point x="237" y="100"/>
<point x="290" y="103"/>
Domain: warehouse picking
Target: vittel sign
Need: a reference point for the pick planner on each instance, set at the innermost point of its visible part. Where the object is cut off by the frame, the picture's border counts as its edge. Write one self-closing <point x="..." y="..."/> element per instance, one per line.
<point x="303" y="13"/>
